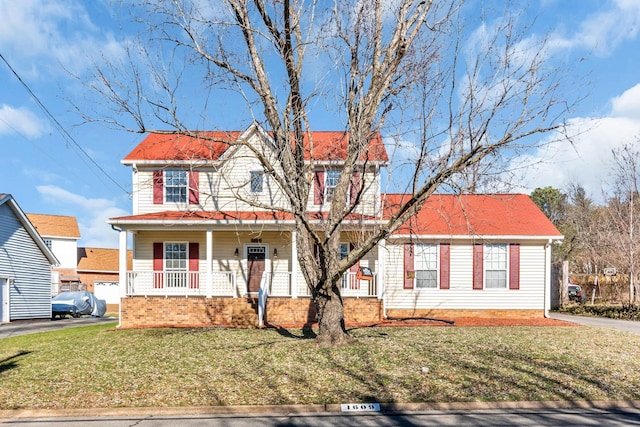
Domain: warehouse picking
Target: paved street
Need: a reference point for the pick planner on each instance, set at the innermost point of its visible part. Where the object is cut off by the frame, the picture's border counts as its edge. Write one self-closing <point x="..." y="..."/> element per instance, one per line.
<point x="534" y="416"/>
<point x="21" y="327"/>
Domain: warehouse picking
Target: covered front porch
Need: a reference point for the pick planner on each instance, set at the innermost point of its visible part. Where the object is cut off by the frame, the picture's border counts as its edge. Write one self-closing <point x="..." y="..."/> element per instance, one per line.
<point x="257" y="269"/>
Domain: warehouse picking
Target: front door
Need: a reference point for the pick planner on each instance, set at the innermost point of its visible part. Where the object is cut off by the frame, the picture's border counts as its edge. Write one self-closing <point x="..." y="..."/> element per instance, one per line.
<point x="255" y="267"/>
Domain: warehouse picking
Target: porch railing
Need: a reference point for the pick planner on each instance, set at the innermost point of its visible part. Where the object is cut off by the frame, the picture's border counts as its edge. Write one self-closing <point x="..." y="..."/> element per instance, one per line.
<point x="351" y="285"/>
<point x="180" y="283"/>
<point x="188" y="283"/>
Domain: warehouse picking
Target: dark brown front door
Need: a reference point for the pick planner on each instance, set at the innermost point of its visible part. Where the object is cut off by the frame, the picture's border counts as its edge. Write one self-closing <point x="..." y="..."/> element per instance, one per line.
<point x="255" y="267"/>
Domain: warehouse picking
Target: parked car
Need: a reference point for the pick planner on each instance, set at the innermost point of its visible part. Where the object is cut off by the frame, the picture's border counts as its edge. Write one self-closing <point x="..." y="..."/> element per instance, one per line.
<point x="76" y="304"/>
<point x="576" y="294"/>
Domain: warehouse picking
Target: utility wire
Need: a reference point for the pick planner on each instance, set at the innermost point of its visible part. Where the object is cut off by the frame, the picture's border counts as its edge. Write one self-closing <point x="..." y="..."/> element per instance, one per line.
<point x="59" y="127"/>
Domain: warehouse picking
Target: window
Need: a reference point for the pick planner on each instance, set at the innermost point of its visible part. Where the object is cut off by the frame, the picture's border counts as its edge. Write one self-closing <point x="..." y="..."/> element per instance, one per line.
<point x="426" y="266"/>
<point x="344" y="251"/>
<point x="47" y="243"/>
<point x="176" y="183"/>
<point x="175" y="258"/>
<point x="257" y="179"/>
<point x="495" y="264"/>
<point x="331" y="183"/>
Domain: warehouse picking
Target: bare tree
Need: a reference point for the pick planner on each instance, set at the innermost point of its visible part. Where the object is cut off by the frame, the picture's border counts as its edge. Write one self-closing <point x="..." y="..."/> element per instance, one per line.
<point x="623" y="207"/>
<point x="470" y="101"/>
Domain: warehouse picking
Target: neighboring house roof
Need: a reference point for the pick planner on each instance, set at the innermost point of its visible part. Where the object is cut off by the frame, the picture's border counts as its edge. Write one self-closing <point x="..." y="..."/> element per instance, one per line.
<point x="55" y="225"/>
<point x="28" y="226"/>
<point x="480" y="215"/>
<point x="101" y="260"/>
<point x="327" y="146"/>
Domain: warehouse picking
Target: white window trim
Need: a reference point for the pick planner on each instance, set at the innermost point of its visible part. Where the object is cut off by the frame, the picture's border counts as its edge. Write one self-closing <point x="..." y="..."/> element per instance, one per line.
<point x="262" y="185"/>
<point x="415" y="279"/>
<point x="484" y="268"/>
<point x="164" y="255"/>
<point x="165" y="181"/>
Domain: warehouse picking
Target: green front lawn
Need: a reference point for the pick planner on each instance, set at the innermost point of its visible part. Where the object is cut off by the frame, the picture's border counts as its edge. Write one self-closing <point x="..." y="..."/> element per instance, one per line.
<point x="99" y="366"/>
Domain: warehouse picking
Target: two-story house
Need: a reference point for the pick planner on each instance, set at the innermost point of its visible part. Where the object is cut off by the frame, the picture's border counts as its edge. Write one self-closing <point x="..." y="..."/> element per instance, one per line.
<point x="209" y="237"/>
<point x="61" y="234"/>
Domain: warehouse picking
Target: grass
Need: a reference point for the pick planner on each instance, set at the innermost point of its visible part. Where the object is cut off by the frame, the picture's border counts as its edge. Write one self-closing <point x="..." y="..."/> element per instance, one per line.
<point x="99" y="366"/>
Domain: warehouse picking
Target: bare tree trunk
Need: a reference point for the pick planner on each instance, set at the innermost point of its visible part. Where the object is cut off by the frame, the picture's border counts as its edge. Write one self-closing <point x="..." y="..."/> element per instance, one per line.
<point x="331" y="327"/>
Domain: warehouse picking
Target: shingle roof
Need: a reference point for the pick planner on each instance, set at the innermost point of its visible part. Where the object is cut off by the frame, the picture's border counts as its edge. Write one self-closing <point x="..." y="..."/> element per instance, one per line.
<point x="55" y="225"/>
<point x="101" y="259"/>
<point x="327" y="146"/>
<point x="474" y="215"/>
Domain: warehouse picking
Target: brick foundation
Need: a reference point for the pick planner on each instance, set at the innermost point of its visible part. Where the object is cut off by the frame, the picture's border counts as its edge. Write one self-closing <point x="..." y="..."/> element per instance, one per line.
<point x="141" y="312"/>
<point x="454" y="314"/>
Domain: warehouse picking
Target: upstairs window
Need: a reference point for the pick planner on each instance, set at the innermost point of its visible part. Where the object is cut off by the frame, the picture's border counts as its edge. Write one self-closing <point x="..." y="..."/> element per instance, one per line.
<point x="257" y="181"/>
<point x="176" y="186"/>
<point x="331" y="184"/>
<point x="47" y="243"/>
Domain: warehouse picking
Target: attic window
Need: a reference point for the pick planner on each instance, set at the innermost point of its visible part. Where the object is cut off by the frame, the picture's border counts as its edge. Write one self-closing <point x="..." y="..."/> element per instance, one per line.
<point x="257" y="181"/>
<point x="47" y="243"/>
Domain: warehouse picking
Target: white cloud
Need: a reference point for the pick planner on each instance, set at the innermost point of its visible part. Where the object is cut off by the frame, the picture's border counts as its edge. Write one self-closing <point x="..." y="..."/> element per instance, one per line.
<point x="603" y="31"/>
<point x="91" y="213"/>
<point x="50" y="32"/>
<point x="589" y="160"/>
<point x="21" y="121"/>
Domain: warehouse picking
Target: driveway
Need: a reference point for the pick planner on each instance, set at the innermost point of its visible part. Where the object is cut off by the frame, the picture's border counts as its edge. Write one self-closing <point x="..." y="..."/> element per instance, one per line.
<point x="602" y="322"/>
<point x="22" y="327"/>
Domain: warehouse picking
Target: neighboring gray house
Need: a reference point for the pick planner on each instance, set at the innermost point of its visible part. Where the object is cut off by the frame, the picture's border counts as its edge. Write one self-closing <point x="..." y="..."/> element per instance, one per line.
<point x="25" y="266"/>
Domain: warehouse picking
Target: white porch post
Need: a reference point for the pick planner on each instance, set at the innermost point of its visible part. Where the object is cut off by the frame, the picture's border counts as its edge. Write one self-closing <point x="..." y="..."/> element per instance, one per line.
<point x="294" y="265"/>
<point x="209" y="277"/>
<point x="122" y="271"/>
<point x="382" y="249"/>
<point x="122" y="263"/>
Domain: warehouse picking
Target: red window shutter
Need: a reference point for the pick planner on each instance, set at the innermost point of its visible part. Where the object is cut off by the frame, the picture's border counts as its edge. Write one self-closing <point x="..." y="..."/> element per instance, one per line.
<point x="445" y="250"/>
<point x="354" y="187"/>
<point x="409" y="272"/>
<point x="478" y="266"/>
<point x="158" y="188"/>
<point x="158" y="265"/>
<point x="194" y="192"/>
<point x="514" y="266"/>
<point x="353" y="278"/>
<point x="194" y="265"/>
<point x="318" y="188"/>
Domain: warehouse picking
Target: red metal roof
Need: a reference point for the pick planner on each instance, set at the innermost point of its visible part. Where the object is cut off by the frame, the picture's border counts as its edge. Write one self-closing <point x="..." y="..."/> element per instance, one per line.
<point x="327" y="146"/>
<point x="474" y="215"/>
<point x="158" y="146"/>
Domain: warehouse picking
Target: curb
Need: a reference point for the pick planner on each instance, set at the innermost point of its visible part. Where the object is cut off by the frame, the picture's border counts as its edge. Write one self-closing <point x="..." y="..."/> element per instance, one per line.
<point x="136" y="412"/>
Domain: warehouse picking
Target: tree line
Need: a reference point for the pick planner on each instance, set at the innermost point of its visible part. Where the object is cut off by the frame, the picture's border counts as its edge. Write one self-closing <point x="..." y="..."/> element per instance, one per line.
<point x="601" y="240"/>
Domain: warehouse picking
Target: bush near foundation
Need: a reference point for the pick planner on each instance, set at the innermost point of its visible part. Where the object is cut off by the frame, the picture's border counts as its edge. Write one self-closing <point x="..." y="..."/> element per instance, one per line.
<point x="623" y="311"/>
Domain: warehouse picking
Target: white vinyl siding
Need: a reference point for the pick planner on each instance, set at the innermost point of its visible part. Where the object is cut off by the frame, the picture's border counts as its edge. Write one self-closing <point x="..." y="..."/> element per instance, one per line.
<point x="22" y="262"/>
<point x="461" y="294"/>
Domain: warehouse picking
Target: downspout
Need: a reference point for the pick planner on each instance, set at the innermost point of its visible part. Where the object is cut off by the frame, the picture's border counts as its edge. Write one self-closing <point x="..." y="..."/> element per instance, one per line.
<point x="547" y="278"/>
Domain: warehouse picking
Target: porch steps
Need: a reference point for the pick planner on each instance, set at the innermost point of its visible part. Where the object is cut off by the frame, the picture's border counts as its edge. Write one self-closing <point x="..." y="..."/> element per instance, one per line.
<point x="245" y="313"/>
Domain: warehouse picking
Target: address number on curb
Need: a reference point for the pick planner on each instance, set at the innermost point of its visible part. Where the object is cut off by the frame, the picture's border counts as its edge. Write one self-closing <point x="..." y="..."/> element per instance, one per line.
<point x="360" y="407"/>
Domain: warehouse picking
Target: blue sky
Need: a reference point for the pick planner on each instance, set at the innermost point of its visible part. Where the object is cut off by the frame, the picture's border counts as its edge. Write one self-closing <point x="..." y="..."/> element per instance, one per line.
<point x="48" y="172"/>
